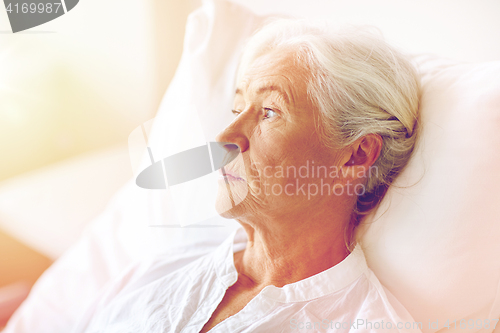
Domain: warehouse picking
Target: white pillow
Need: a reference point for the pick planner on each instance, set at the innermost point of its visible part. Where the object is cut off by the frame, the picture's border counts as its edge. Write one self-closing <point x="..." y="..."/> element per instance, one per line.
<point x="434" y="242"/>
<point x="214" y="38"/>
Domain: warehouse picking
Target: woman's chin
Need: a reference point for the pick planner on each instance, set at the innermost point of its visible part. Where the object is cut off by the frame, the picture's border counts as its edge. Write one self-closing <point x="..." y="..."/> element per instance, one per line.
<point x="225" y="208"/>
<point x="229" y="198"/>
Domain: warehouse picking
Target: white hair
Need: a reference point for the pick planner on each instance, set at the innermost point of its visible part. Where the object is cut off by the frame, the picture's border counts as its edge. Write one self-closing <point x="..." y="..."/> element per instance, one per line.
<point x="360" y="84"/>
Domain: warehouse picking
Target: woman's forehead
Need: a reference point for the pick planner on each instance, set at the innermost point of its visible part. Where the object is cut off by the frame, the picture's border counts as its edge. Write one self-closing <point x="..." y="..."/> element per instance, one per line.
<point x="277" y="61"/>
<point x="277" y="71"/>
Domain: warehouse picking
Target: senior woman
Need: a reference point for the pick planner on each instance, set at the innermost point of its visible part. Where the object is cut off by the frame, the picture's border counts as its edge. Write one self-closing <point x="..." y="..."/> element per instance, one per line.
<point x="324" y="123"/>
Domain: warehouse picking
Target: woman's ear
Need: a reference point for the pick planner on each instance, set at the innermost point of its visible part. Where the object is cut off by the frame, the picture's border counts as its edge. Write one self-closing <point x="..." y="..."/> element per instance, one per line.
<point x="361" y="155"/>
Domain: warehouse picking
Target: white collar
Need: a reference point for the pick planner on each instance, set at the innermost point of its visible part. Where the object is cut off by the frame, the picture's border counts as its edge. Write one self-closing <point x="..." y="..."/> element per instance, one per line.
<point x="321" y="284"/>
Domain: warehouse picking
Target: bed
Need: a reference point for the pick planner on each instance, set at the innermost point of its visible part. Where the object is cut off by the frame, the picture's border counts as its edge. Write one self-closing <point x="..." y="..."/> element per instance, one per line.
<point x="433" y="242"/>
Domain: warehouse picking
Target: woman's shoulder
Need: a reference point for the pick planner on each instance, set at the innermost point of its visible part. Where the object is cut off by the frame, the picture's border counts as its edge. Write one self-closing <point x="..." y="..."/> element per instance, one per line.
<point x="147" y="270"/>
<point x="393" y="309"/>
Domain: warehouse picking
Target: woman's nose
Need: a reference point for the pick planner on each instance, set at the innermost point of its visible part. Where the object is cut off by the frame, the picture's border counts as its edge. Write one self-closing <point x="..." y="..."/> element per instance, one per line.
<point x="234" y="137"/>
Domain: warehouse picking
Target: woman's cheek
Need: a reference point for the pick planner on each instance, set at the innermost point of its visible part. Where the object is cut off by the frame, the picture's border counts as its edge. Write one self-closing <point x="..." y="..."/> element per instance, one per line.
<point x="253" y="176"/>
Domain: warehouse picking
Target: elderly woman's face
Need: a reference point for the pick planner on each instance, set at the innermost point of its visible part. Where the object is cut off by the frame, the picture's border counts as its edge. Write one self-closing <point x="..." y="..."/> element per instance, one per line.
<point x="275" y="130"/>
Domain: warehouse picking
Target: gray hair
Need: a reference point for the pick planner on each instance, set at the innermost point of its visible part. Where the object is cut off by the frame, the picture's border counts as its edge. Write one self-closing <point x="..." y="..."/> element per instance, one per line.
<point x="360" y="84"/>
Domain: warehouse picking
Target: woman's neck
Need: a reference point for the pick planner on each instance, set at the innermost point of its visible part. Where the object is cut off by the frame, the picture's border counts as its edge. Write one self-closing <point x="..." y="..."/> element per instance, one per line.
<point x="285" y="251"/>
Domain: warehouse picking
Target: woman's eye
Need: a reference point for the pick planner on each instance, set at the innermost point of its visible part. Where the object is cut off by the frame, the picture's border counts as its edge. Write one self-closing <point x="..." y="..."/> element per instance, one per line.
<point x="236" y="112"/>
<point x="269" y="113"/>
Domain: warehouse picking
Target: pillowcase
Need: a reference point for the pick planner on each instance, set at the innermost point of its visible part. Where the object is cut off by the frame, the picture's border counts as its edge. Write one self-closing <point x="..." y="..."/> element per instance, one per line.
<point x="434" y="240"/>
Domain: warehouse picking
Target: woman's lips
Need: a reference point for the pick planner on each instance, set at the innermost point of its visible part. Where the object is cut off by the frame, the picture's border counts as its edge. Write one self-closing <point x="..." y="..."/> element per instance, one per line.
<point x="230" y="176"/>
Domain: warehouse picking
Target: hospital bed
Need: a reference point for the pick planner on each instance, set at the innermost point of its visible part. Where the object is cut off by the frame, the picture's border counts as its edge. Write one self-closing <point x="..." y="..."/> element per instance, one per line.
<point x="434" y="242"/>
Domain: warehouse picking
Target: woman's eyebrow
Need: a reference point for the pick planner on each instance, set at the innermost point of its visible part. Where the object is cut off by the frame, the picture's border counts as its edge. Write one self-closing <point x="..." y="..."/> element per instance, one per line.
<point x="269" y="88"/>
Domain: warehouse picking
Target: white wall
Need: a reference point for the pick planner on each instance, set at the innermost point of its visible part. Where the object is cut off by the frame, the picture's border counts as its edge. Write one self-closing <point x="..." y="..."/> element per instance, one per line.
<point x="84" y="80"/>
<point x="464" y="30"/>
